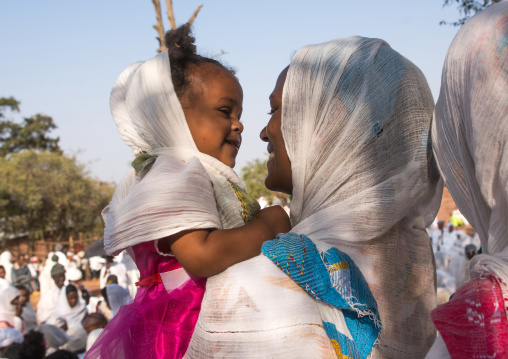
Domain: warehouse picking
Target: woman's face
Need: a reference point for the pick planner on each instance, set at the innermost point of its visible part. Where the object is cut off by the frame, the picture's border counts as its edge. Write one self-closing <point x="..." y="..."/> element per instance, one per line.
<point x="279" y="167"/>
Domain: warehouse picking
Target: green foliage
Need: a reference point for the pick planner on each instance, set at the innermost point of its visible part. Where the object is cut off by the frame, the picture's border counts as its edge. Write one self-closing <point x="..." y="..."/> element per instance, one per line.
<point x="9" y="102"/>
<point x="253" y="176"/>
<point x="31" y="134"/>
<point x="467" y="8"/>
<point x="49" y="193"/>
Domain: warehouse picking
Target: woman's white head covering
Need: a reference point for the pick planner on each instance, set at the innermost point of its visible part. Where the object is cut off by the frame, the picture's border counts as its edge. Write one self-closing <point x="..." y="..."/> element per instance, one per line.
<point x="470" y="133"/>
<point x="72" y="315"/>
<point x="9" y="336"/>
<point x="356" y="118"/>
<point x="175" y="194"/>
<point x="117" y="296"/>
<point x="6" y="261"/>
<point x="8" y="310"/>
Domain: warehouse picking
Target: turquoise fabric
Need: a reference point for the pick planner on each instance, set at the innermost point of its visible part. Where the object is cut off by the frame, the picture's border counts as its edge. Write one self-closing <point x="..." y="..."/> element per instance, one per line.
<point x="333" y="278"/>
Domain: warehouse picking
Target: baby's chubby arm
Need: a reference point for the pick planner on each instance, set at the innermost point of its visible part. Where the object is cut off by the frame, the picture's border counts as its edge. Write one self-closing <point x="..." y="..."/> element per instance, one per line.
<point x="204" y="253"/>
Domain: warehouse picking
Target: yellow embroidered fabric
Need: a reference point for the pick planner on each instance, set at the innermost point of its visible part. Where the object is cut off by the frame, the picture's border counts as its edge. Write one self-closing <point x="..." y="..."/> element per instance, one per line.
<point x="250" y="205"/>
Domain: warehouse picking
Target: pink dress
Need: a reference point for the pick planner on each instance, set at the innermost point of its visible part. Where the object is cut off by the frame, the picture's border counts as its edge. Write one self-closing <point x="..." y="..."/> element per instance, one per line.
<point x="158" y="323"/>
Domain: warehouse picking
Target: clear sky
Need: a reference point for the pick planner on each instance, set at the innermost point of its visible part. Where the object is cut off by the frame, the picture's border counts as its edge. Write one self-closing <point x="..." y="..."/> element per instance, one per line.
<point x="61" y="58"/>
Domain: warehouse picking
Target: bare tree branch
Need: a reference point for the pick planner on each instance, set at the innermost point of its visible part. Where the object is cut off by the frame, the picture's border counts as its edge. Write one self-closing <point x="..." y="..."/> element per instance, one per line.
<point x="159" y="27"/>
<point x="193" y="17"/>
<point x="171" y="14"/>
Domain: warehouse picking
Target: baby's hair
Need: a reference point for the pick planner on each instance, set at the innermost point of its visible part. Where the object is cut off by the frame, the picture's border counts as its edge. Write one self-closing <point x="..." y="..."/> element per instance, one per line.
<point x="2" y="267"/>
<point x="182" y="52"/>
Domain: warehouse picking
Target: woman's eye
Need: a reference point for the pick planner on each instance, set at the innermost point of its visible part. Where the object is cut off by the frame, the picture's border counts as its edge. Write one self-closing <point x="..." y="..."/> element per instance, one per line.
<point x="272" y="111"/>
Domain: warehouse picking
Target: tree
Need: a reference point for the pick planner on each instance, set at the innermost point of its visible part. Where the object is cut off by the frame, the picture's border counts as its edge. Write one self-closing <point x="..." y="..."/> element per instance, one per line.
<point x="467" y="8"/>
<point x="31" y="134"/>
<point x="253" y="176"/>
<point x="159" y="27"/>
<point x="45" y="193"/>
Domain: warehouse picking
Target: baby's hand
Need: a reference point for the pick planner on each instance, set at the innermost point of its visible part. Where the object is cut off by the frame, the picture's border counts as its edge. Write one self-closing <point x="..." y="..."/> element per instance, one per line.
<point x="276" y="219"/>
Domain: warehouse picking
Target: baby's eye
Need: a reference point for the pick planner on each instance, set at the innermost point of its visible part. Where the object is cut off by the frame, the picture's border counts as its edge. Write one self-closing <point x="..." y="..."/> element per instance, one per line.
<point x="226" y="111"/>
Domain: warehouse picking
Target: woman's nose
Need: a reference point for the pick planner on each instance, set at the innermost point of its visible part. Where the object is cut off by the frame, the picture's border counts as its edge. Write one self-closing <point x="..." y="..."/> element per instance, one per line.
<point x="263" y="135"/>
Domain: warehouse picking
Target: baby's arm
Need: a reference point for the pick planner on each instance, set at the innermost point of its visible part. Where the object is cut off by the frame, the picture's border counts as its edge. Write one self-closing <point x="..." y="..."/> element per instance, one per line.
<point x="204" y="253"/>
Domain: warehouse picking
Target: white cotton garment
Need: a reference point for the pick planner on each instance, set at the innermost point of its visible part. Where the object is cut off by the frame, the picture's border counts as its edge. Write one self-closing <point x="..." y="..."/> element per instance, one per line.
<point x="470" y="133"/>
<point x="184" y="189"/>
<point x="356" y="117"/>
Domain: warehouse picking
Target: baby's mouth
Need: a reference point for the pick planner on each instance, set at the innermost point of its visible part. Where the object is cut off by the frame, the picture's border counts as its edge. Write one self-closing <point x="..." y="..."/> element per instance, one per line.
<point x="235" y="143"/>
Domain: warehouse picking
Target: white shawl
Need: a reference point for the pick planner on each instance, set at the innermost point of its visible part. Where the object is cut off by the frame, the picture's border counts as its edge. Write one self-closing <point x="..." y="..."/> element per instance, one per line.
<point x="470" y="133"/>
<point x="7" y="310"/>
<point x="176" y="193"/>
<point x="72" y="315"/>
<point x="117" y="296"/>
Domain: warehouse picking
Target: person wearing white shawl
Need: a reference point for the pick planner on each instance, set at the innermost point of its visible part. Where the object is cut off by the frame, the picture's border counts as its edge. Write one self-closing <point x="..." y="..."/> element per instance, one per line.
<point x="470" y="141"/>
<point x="4" y="283"/>
<point x="6" y="262"/>
<point x="9" y="298"/>
<point x="47" y="304"/>
<point x="182" y="212"/>
<point x="349" y="138"/>
<point x="70" y="307"/>
<point x="115" y="296"/>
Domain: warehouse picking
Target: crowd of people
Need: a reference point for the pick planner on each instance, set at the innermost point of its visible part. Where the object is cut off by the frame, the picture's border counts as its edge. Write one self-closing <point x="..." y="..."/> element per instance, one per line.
<point x="67" y="318"/>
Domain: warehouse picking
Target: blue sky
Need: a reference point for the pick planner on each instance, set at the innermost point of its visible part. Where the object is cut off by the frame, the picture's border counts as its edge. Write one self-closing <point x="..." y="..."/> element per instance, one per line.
<point x="61" y="58"/>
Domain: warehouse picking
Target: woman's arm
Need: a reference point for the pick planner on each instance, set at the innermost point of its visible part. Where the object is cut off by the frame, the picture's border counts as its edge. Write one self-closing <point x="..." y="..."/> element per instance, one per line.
<point x="204" y="253"/>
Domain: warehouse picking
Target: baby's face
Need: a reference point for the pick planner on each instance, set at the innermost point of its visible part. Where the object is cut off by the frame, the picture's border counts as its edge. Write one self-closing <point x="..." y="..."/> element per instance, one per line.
<point x="212" y="108"/>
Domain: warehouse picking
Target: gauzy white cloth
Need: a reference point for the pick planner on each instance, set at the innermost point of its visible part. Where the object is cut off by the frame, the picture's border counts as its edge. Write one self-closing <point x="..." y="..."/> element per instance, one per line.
<point x="53" y="336"/>
<point x="470" y="133"/>
<point x="72" y="315"/>
<point x="6" y="261"/>
<point x="9" y="336"/>
<point x="47" y="304"/>
<point x="356" y="118"/>
<point x="8" y="310"/>
<point x="176" y="193"/>
<point x="117" y="296"/>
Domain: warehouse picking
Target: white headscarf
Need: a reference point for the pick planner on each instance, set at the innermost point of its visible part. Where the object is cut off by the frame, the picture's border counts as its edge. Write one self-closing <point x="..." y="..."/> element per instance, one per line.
<point x="356" y="117"/>
<point x="72" y="315"/>
<point x="9" y="336"/>
<point x="8" y="310"/>
<point x="117" y="296"/>
<point x="470" y="133"/>
<point x="175" y="194"/>
<point x="6" y="261"/>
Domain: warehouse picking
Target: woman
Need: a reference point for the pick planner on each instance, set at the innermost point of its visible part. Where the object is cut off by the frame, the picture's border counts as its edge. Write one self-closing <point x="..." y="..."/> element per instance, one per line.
<point x="349" y="139"/>
<point x="470" y="136"/>
<point x="9" y="310"/>
<point x="115" y="296"/>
